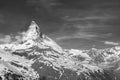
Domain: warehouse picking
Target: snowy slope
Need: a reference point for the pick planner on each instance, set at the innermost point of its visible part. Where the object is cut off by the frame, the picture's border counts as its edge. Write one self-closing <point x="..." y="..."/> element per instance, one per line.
<point x="36" y="56"/>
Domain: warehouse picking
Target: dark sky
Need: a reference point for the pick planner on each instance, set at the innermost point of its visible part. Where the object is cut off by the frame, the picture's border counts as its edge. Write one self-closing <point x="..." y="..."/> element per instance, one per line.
<point x="80" y="24"/>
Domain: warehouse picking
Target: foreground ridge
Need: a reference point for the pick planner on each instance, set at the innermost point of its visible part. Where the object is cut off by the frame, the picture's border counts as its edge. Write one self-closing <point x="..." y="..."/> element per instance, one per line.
<point x="38" y="57"/>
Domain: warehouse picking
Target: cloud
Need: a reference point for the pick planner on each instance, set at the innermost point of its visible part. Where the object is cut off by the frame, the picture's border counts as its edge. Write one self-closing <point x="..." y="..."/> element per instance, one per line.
<point x="10" y="38"/>
<point x="6" y="39"/>
<point x="111" y="43"/>
<point x="67" y="18"/>
<point x="83" y="32"/>
<point x="82" y="35"/>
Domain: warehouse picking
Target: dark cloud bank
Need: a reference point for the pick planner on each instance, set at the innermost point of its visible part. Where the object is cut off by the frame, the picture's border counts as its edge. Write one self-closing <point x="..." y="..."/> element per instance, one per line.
<point x="72" y="23"/>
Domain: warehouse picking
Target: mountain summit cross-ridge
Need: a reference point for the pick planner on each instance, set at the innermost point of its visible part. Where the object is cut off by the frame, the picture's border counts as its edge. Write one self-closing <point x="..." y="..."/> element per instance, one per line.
<point x="37" y="56"/>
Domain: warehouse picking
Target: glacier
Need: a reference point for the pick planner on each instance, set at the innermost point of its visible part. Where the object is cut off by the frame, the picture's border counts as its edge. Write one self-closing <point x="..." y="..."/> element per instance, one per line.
<point x="38" y="57"/>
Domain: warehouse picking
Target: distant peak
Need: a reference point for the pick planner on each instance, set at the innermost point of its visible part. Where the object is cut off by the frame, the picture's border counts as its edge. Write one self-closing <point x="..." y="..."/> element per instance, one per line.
<point x="33" y="32"/>
<point x="34" y="26"/>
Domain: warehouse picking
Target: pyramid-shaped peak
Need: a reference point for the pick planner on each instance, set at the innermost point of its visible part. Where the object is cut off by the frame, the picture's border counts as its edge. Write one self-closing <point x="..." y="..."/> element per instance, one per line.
<point x="34" y="27"/>
<point x="33" y="31"/>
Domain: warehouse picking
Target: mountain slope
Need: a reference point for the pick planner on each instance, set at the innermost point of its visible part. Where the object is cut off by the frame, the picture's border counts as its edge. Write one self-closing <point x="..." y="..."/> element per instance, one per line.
<point x="37" y="57"/>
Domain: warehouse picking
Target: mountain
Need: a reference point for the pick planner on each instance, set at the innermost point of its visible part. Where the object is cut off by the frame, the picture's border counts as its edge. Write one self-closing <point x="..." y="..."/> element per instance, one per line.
<point x="35" y="56"/>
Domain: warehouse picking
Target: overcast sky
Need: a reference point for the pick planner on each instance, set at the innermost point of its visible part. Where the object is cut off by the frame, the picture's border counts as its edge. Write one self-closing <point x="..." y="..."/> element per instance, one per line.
<point x="80" y="24"/>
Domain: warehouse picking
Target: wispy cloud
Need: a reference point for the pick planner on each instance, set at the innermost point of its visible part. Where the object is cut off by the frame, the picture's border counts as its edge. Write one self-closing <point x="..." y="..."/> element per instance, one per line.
<point x="77" y="35"/>
<point x="10" y="38"/>
<point x="5" y="39"/>
<point x="111" y="43"/>
<point x="67" y="18"/>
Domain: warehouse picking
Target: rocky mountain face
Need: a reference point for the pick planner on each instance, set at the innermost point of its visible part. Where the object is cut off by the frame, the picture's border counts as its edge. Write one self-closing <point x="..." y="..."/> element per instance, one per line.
<point x="37" y="57"/>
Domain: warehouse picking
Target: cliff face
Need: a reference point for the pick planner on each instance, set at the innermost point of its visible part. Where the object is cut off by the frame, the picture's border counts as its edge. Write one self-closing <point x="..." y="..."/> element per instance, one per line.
<point x="37" y="57"/>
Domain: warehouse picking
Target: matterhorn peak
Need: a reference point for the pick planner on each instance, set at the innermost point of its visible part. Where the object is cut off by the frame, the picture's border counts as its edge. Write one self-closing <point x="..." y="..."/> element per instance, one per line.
<point x="33" y="32"/>
<point x="33" y="37"/>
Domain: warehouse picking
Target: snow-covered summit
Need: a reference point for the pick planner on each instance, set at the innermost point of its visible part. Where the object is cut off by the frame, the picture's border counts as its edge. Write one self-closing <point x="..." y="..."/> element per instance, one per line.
<point x="32" y="33"/>
<point x="33" y="37"/>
